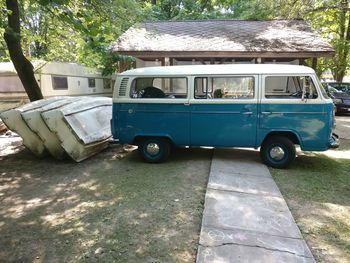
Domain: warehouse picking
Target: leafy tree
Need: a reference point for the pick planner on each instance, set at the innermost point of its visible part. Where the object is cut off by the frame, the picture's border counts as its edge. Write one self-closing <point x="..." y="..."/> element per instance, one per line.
<point x="24" y="68"/>
<point x="330" y="17"/>
<point x="64" y="30"/>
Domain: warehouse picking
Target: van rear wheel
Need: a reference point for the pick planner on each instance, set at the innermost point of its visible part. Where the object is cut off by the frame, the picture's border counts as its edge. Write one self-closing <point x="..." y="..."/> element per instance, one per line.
<point x="154" y="150"/>
<point x="277" y="152"/>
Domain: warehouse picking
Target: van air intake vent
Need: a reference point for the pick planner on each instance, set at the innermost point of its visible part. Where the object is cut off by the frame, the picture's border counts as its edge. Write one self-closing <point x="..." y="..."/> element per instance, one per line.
<point x="122" y="88"/>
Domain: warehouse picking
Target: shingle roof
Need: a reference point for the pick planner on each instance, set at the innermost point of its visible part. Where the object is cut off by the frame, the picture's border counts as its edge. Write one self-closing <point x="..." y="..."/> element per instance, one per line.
<point x="222" y="36"/>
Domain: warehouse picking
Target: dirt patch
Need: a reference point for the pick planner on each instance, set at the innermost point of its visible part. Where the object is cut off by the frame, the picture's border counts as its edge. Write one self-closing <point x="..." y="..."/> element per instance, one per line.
<point x="110" y="208"/>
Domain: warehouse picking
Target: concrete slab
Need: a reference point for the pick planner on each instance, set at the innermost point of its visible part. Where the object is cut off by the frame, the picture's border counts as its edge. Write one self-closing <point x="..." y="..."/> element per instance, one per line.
<point x="243" y="254"/>
<point x="239" y="162"/>
<point x="214" y="237"/>
<point x="343" y="126"/>
<point x="245" y="183"/>
<point x="265" y="214"/>
<point x="245" y="217"/>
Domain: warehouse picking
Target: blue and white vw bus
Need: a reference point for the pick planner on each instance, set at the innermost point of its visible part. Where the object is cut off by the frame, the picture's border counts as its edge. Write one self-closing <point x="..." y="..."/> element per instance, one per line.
<point x="274" y="107"/>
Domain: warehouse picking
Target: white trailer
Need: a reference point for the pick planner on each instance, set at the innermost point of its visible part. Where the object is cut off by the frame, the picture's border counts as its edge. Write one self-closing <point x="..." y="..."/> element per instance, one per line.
<point x="56" y="79"/>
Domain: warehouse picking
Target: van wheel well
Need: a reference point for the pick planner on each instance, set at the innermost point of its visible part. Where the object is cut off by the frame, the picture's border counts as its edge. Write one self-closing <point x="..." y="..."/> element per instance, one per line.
<point x="290" y="135"/>
<point x="154" y="149"/>
<point x="139" y="139"/>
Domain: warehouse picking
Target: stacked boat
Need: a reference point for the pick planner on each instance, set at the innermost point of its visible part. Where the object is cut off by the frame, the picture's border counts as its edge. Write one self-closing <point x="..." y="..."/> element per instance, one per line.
<point x="78" y="127"/>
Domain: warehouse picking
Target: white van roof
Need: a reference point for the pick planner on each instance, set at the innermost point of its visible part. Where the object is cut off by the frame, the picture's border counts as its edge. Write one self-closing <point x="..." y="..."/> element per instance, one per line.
<point x="226" y="69"/>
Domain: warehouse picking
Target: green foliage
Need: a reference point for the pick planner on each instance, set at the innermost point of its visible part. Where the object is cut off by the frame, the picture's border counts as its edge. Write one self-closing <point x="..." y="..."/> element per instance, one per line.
<point x="188" y="9"/>
<point x="83" y="30"/>
<point x="73" y="31"/>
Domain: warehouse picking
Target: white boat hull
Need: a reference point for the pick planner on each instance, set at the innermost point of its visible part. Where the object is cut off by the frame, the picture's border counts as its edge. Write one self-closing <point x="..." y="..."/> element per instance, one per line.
<point x="83" y="127"/>
<point x="14" y="121"/>
<point x="75" y="126"/>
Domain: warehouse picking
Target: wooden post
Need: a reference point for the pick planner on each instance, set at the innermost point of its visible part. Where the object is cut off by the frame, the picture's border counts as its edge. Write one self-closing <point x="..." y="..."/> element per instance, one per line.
<point x="314" y="63"/>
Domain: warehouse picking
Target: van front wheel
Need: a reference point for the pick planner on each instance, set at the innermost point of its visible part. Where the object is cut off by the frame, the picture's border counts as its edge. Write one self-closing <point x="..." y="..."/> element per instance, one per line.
<point x="277" y="152"/>
<point x="154" y="150"/>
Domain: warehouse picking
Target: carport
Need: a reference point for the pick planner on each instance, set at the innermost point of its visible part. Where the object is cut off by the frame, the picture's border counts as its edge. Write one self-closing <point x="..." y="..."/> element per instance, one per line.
<point x="222" y="42"/>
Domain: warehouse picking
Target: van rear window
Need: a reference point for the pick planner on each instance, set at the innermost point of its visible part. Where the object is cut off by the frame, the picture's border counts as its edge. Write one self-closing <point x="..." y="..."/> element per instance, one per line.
<point x="156" y="87"/>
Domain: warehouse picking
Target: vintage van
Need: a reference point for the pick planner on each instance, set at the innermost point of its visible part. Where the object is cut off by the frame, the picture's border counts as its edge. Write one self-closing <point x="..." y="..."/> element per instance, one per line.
<point x="274" y="107"/>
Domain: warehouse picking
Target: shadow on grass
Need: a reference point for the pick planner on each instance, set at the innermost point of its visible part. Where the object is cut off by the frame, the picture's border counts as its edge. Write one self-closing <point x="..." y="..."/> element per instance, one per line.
<point x="317" y="189"/>
<point x="102" y="210"/>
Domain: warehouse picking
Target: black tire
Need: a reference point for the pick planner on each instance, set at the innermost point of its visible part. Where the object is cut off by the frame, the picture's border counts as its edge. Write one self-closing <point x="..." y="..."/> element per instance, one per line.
<point x="154" y="150"/>
<point x="277" y="152"/>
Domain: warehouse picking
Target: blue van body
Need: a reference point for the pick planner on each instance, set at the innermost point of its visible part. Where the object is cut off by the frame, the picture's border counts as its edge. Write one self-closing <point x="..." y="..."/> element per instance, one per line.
<point x="248" y="122"/>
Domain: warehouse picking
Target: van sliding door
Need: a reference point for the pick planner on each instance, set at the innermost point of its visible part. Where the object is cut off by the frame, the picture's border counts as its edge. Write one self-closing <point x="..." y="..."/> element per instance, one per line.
<point x="223" y="111"/>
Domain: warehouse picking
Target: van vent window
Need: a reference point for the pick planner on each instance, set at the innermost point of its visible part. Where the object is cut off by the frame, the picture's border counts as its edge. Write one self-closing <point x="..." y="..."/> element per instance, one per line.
<point x="122" y="88"/>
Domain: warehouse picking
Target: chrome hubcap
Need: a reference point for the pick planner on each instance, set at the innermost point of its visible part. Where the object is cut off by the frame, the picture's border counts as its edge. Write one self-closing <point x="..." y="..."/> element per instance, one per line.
<point x="152" y="148"/>
<point x="277" y="153"/>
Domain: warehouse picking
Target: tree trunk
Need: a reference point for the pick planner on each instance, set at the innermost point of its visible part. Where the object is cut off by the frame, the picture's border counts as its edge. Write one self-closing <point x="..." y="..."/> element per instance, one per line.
<point x="344" y="34"/>
<point x="22" y="65"/>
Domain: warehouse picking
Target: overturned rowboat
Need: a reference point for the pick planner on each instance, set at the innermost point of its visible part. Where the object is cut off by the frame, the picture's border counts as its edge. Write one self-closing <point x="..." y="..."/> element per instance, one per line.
<point x="83" y="127"/>
<point x="75" y="126"/>
<point x="14" y="121"/>
<point x="35" y="122"/>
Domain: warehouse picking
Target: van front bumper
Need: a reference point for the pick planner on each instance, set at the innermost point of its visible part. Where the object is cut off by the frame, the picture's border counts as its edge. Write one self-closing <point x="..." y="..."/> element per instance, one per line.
<point x="334" y="141"/>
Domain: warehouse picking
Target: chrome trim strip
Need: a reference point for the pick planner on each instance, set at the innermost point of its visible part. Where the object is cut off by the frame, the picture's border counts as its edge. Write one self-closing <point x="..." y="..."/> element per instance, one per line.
<point x="300" y="112"/>
<point x="216" y="112"/>
<point x="153" y="111"/>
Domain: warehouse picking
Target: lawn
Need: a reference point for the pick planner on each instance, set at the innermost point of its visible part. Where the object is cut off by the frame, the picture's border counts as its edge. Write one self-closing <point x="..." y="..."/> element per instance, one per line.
<point x="317" y="190"/>
<point x="110" y="208"/>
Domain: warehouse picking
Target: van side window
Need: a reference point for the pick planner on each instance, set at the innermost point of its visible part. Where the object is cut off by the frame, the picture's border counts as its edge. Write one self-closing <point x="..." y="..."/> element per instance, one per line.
<point x="290" y="87"/>
<point x="155" y="87"/>
<point x="224" y="88"/>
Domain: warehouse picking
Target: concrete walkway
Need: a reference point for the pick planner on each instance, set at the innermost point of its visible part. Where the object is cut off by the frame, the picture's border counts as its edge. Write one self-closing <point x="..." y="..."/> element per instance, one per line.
<point x="245" y="217"/>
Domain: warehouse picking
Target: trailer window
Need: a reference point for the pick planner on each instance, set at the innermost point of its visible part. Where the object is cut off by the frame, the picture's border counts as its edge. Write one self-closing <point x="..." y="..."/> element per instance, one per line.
<point x="171" y="88"/>
<point x="92" y="83"/>
<point x="224" y="87"/>
<point x="59" y="83"/>
<point x="290" y="87"/>
<point x="107" y="83"/>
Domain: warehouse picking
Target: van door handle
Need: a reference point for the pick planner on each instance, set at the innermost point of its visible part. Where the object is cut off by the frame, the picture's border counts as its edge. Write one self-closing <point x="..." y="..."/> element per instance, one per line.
<point x="187" y="104"/>
<point x="266" y="112"/>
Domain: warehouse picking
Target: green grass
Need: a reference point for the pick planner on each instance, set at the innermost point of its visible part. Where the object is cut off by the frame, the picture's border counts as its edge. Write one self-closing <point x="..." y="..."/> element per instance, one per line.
<point x="317" y="190"/>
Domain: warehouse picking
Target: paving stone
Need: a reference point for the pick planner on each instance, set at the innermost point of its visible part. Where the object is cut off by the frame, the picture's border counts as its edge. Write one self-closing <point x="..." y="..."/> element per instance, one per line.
<point x="239" y="162"/>
<point x="213" y="237"/>
<point x="245" y="218"/>
<point x="267" y="214"/>
<point x="243" y="254"/>
<point x="245" y="183"/>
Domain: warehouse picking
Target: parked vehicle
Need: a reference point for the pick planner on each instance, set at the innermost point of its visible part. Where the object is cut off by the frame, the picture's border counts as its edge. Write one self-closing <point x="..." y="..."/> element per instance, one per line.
<point x="340" y="93"/>
<point x="273" y="107"/>
<point x="56" y="79"/>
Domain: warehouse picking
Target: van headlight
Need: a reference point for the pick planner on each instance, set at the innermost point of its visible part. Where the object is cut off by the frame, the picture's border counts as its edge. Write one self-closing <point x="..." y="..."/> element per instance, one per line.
<point x="337" y="101"/>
